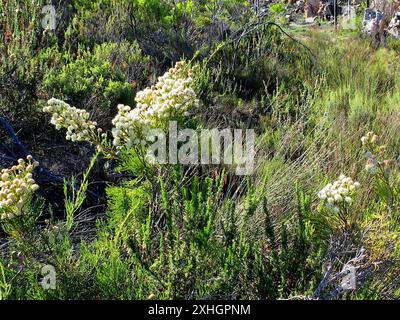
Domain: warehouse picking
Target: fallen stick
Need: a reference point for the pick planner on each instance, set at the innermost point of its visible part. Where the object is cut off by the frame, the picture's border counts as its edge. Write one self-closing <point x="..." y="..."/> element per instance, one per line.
<point x="9" y="129"/>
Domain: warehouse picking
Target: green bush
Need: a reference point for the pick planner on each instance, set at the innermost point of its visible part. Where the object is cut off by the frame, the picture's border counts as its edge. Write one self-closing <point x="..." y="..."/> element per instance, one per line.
<point x="102" y="78"/>
<point x="187" y="242"/>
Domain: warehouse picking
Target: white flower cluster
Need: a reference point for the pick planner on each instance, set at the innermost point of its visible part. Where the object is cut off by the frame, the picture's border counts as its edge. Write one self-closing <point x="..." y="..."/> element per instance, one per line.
<point x="375" y="154"/>
<point x="76" y="121"/>
<point x="128" y="125"/>
<point x="369" y="138"/>
<point x="338" y="193"/>
<point x="172" y="96"/>
<point x="16" y="184"/>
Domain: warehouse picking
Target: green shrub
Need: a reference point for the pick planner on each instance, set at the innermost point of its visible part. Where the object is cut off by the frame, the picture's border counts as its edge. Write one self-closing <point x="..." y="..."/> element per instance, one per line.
<point x="102" y="78"/>
<point x="22" y="62"/>
<point x="172" y="237"/>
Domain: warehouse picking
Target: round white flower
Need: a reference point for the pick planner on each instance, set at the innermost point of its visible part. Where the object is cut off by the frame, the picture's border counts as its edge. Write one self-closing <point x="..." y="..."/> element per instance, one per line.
<point x="338" y="192"/>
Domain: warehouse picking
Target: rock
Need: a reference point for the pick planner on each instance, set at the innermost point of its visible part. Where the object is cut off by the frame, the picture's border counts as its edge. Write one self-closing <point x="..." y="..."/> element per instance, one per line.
<point x="372" y="20"/>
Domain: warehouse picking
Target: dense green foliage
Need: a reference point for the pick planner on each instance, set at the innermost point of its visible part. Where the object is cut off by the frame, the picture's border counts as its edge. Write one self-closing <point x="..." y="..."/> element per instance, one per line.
<point x="187" y="232"/>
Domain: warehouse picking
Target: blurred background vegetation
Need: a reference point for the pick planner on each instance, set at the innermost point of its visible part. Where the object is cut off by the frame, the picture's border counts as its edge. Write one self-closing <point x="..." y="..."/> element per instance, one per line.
<point x="200" y="232"/>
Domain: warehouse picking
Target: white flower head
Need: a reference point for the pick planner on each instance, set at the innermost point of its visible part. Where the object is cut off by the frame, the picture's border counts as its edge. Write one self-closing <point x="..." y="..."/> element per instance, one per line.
<point x="16" y="184"/>
<point x="74" y="120"/>
<point x="338" y="193"/>
<point x="170" y="97"/>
